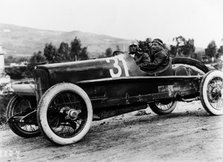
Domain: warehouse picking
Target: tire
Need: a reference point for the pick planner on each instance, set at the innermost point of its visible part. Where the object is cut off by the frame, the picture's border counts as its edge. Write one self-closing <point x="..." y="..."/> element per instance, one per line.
<point x="163" y="108"/>
<point x="193" y="64"/>
<point x="54" y="118"/>
<point x="211" y="92"/>
<point x="18" y="105"/>
<point x="194" y="67"/>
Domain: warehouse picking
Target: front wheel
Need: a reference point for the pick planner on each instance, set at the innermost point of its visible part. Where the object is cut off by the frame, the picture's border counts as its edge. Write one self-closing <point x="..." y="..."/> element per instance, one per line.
<point x="163" y="108"/>
<point x="211" y="92"/>
<point x="64" y="113"/>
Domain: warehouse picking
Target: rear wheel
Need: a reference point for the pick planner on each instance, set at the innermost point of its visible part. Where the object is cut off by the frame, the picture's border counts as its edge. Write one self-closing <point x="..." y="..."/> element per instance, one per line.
<point x="163" y="108"/>
<point x="211" y="92"/>
<point x="18" y="107"/>
<point x="65" y="113"/>
<point x="181" y="66"/>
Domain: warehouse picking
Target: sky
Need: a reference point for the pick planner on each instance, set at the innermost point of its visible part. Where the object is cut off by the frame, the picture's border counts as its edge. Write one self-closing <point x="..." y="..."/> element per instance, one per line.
<point x="200" y="20"/>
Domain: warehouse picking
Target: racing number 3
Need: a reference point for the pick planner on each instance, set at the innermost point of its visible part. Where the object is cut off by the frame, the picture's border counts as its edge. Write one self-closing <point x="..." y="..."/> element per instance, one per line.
<point x="118" y="67"/>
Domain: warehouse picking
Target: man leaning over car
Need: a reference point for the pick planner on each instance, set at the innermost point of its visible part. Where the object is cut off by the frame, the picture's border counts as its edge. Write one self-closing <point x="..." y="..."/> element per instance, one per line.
<point x="158" y="57"/>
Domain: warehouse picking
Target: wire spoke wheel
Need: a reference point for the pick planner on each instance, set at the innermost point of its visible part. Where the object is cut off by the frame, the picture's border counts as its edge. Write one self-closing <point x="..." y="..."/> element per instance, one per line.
<point x="163" y="108"/>
<point x="65" y="113"/>
<point x="214" y="91"/>
<point x="20" y="106"/>
<point x="211" y="92"/>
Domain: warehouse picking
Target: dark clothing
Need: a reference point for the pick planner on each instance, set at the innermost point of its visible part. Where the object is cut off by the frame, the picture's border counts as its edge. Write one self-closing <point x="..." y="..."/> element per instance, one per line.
<point x="141" y="58"/>
<point x="158" y="60"/>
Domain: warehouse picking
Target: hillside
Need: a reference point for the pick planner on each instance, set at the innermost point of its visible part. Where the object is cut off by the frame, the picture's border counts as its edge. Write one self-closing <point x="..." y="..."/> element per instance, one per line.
<point x="17" y="40"/>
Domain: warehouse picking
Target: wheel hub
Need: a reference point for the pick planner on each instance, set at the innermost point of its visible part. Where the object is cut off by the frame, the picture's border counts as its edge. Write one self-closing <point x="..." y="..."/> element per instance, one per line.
<point x="216" y="93"/>
<point x="73" y="114"/>
<point x="70" y="113"/>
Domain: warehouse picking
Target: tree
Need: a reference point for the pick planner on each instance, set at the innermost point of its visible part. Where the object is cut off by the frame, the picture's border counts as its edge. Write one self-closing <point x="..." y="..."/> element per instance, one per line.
<point x="220" y="51"/>
<point x="108" y="52"/>
<point x="183" y="47"/>
<point x="211" y="49"/>
<point x="75" y="49"/>
<point x="64" y="51"/>
<point x="50" y="52"/>
<point x="37" y="58"/>
<point x="83" y="54"/>
<point x="188" y="48"/>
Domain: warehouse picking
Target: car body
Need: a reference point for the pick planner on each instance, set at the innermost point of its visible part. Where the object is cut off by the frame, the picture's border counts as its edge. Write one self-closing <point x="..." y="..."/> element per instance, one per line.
<point x="73" y="94"/>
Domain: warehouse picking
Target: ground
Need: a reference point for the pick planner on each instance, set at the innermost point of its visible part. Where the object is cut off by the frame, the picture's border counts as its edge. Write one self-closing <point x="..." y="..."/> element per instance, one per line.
<point x="187" y="134"/>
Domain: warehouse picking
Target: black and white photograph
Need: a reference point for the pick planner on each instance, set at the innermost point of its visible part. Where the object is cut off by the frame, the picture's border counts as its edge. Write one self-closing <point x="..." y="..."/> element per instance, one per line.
<point x="111" y="80"/>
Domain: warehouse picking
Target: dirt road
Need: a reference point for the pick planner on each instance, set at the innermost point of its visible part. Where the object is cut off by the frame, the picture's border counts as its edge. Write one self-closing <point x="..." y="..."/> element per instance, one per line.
<point x="188" y="134"/>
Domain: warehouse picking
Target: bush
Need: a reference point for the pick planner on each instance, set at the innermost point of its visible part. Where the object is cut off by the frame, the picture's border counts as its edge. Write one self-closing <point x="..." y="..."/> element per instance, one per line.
<point x="17" y="72"/>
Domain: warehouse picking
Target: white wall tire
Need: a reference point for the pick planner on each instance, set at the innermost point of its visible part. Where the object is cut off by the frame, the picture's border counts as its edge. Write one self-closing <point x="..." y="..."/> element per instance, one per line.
<point x="211" y="92"/>
<point x="45" y="111"/>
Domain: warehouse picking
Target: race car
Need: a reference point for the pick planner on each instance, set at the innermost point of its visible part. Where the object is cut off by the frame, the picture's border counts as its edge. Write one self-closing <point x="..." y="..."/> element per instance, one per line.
<point x="67" y="97"/>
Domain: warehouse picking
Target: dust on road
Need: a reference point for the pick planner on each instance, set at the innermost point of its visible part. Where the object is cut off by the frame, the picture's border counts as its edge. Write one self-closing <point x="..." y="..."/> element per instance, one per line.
<point x="188" y="134"/>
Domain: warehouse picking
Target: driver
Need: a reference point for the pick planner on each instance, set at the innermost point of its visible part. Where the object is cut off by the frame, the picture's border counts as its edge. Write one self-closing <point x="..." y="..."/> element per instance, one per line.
<point x="139" y="56"/>
<point x="158" y="57"/>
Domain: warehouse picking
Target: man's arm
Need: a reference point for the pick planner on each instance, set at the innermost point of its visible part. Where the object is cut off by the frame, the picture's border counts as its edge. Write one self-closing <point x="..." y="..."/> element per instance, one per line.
<point x="148" y="66"/>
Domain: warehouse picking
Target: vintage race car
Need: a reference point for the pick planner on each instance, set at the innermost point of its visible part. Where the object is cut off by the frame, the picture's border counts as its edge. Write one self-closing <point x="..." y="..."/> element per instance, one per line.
<point x="67" y="97"/>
